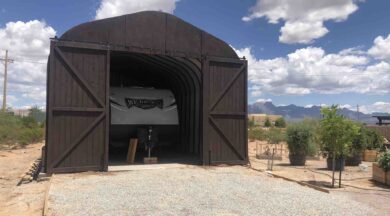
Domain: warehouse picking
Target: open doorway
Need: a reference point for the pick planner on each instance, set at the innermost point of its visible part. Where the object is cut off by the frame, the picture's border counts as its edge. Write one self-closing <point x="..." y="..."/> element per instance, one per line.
<point x="155" y="94"/>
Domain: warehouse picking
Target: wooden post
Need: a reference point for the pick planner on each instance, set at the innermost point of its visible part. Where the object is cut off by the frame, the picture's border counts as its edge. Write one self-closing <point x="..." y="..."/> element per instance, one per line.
<point x="132" y="149"/>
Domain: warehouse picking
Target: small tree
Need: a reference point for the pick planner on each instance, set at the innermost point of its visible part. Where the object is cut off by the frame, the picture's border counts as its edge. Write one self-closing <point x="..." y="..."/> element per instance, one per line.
<point x="280" y="123"/>
<point x="336" y="134"/>
<point x="267" y="122"/>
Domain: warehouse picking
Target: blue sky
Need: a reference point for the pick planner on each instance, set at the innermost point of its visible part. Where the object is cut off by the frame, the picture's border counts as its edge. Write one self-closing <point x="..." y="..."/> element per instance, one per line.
<point x="301" y="68"/>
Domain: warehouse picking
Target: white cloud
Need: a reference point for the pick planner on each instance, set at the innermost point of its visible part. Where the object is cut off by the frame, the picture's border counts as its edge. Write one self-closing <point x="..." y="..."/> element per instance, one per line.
<point x="262" y="100"/>
<point x="379" y="106"/>
<point x="346" y="106"/>
<point x="312" y="70"/>
<point x="304" y="19"/>
<point x="29" y="45"/>
<point x="110" y="8"/>
<point x="381" y="48"/>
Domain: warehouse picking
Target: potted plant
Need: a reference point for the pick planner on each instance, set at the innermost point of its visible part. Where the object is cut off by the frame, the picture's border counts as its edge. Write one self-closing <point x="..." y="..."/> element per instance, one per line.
<point x="380" y="170"/>
<point x="374" y="144"/>
<point x="336" y="135"/>
<point x="299" y="138"/>
<point x="355" y="152"/>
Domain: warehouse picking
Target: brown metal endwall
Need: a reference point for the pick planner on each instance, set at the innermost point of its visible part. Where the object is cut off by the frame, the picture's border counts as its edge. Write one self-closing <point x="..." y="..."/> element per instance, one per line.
<point x="225" y="110"/>
<point x="76" y="109"/>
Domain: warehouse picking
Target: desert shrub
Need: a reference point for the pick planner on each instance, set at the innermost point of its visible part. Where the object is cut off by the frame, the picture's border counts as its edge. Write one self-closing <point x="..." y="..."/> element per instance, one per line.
<point x="275" y="135"/>
<point x="280" y="123"/>
<point x="257" y="134"/>
<point x="300" y="139"/>
<point x="384" y="160"/>
<point x="267" y="122"/>
<point x="16" y="130"/>
<point x="251" y="124"/>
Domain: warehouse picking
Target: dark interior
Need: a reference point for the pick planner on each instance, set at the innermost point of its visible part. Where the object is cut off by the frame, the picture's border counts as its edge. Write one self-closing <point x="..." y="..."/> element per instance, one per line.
<point x="177" y="144"/>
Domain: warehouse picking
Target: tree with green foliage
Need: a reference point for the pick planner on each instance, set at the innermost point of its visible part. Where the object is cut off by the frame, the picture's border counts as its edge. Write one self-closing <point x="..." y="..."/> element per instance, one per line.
<point x="267" y="122"/>
<point x="280" y="123"/>
<point x="336" y="134"/>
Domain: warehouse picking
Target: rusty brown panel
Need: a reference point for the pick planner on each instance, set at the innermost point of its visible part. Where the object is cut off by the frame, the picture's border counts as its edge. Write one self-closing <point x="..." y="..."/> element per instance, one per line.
<point x="146" y="30"/>
<point x="182" y="37"/>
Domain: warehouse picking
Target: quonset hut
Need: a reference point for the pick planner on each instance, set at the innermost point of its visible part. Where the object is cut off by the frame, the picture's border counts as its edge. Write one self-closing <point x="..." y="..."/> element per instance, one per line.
<point x="154" y="49"/>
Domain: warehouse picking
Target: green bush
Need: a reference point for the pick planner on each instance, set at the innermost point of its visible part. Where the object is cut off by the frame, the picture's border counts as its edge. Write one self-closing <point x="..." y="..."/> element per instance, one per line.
<point x="280" y="123"/>
<point x="374" y="140"/>
<point x="16" y="130"/>
<point x="300" y="139"/>
<point x="275" y="135"/>
<point x="384" y="160"/>
<point x="359" y="142"/>
<point x="267" y="122"/>
<point x="257" y="134"/>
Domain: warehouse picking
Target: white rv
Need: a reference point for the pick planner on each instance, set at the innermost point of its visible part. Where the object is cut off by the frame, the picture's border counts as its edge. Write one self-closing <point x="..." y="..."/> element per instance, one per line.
<point x="142" y="106"/>
<point x="135" y="108"/>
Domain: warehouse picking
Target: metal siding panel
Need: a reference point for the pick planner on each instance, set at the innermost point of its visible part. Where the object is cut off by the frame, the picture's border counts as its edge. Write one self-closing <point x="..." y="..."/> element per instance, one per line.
<point x="146" y="31"/>
<point x="182" y="37"/>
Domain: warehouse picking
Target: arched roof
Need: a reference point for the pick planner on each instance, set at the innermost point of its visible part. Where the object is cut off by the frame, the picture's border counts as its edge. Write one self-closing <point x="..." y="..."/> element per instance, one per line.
<point x="151" y="30"/>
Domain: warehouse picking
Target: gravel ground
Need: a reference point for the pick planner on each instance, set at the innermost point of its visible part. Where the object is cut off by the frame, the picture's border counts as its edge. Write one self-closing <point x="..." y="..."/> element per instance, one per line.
<point x="191" y="191"/>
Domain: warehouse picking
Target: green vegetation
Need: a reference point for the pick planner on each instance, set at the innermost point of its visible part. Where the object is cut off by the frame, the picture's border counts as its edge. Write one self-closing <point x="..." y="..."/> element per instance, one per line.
<point x="300" y="138"/>
<point x="336" y="133"/>
<point x="19" y="131"/>
<point x="384" y="160"/>
<point x="280" y="123"/>
<point x="275" y="135"/>
<point x="267" y="122"/>
<point x="374" y="140"/>
<point x="257" y="134"/>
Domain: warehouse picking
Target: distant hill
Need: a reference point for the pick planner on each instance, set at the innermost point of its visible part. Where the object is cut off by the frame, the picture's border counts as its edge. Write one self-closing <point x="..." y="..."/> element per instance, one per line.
<point x="296" y="113"/>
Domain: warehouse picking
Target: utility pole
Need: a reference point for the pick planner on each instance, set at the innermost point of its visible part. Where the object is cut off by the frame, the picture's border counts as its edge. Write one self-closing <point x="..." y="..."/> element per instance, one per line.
<point x="6" y="60"/>
<point x="358" y="115"/>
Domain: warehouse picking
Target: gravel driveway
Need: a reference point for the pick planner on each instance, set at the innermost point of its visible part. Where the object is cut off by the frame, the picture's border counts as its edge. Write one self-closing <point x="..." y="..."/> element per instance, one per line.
<point x="191" y="191"/>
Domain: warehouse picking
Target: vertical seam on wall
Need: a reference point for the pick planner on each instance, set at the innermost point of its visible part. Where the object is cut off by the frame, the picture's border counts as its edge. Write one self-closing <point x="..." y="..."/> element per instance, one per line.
<point x="165" y="34"/>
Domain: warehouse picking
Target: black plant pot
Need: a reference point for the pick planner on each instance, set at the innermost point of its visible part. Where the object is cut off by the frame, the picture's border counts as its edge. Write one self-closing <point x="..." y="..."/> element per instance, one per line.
<point x="297" y="159"/>
<point x="337" y="165"/>
<point x="354" y="160"/>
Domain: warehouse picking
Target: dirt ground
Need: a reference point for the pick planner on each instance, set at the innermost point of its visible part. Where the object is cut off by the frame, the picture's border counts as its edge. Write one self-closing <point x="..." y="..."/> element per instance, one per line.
<point x="357" y="183"/>
<point x="26" y="199"/>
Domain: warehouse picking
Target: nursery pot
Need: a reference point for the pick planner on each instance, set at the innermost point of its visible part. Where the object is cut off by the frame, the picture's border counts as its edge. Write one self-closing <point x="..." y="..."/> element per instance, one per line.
<point x="297" y="159"/>
<point x="337" y="165"/>
<point x="354" y="160"/>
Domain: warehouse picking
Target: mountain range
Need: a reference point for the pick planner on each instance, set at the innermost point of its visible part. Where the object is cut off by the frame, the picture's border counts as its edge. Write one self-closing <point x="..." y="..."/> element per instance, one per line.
<point x="295" y="113"/>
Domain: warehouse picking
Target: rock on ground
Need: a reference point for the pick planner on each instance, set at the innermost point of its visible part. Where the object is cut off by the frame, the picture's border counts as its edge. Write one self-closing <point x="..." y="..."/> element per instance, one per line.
<point x="192" y="190"/>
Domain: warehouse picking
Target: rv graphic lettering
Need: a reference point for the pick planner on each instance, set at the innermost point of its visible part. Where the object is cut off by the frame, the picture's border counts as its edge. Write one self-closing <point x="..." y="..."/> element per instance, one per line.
<point x="144" y="103"/>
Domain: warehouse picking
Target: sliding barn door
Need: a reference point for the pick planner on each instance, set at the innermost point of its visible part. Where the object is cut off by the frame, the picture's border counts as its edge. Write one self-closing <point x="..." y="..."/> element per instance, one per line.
<point x="225" y="111"/>
<point x="77" y="102"/>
